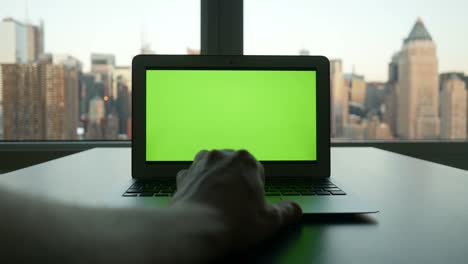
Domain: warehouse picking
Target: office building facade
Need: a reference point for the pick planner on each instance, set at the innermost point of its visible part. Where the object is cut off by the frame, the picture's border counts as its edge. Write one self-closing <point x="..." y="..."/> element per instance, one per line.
<point x="453" y="108"/>
<point x="418" y="100"/>
<point x="339" y="96"/>
<point x="391" y="94"/>
<point x="102" y="66"/>
<point x="357" y="87"/>
<point x="13" y="44"/>
<point x="34" y="41"/>
<point x="23" y="102"/>
<point x="20" y="43"/>
<point x="40" y="101"/>
<point x="121" y="75"/>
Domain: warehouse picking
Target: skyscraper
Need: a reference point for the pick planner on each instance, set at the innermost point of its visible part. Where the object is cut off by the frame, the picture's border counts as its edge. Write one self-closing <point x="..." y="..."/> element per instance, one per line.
<point x="453" y="108"/>
<point x="123" y="108"/>
<point x="20" y="43"/>
<point x="443" y="77"/>
<point x="357" y="86"/>
<point x="391" y="94"/>
<point x="13" y="44"/>
<point x="87" y="91"/>
<point x="40" y="101"/>
<point x="111" y="127"/>
<point x="339" y="96"/>
<point x="418" y="115"/>
<point x="374" y="96"/>
<point x="94" y="129"/>
<point x="102" y="66"/>
<point x="34" y="41"/>
<point x="60" y="84"/>
<point x="376" y="130"/>
<point x="122" y="75"/>
<point x="23" y="102"/>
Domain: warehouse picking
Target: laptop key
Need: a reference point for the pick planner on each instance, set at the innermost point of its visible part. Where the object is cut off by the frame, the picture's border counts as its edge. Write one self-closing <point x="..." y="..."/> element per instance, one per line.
<point x="332" y="189"/>
<point x="307" y="193"/>
<point x="323" y="193"/>
<point x="133" y="191"/>
<point x="136" y="185"/>
<point x="146" y="194"/>
<point x="338" y="192"/>
<point x="130" y="194"/>
<point x="324" y="186"/>
<point x="290" y="193"/>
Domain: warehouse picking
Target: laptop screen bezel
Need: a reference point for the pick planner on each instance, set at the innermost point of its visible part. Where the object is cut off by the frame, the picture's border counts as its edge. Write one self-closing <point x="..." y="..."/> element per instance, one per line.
<point x="142" y="169"/>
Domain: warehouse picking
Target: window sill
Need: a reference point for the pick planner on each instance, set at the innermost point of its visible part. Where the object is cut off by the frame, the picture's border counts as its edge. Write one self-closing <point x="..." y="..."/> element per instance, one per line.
<point x="16" y="155"/>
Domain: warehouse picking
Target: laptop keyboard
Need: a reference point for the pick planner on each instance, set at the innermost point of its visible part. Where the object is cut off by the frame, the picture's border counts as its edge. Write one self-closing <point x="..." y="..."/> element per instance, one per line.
<point x="290" y="187"/>
<point x="273" y="187"/>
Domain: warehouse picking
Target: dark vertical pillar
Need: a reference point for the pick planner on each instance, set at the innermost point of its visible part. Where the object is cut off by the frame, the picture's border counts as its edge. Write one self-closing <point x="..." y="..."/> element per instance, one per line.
<point x="222" y="27"/>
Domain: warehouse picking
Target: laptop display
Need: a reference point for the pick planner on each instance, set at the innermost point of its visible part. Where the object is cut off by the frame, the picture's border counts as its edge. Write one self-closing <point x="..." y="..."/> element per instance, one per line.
<point x="271" y="113"/>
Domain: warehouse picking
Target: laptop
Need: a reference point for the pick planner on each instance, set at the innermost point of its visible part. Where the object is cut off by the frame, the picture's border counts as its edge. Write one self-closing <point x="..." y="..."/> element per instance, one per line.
<point x="276" y="107"/>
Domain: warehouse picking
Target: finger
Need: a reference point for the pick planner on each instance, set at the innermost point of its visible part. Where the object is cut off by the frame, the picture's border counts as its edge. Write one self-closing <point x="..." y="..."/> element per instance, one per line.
<point x="287" y="212"/>
<point x="246" y="157"/>
<point x="261" y="171"/>
<point x="180" y="176"/>
<point x="200" y="155"/>
<point x="214" y="156"/>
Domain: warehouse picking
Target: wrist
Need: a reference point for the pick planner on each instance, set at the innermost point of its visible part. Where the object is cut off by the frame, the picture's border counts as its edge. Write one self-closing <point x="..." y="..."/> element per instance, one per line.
<point x="201" y="230"/>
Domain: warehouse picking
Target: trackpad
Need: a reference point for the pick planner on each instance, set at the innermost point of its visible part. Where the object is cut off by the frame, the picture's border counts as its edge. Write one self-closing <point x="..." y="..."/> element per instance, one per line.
<point x="343" y="204"/>
<point x="273" y="199"/>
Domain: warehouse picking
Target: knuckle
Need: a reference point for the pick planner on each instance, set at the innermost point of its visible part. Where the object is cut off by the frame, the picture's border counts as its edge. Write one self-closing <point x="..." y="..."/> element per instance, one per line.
<point x="200" y="154"/>
<point x="214" y="155"/>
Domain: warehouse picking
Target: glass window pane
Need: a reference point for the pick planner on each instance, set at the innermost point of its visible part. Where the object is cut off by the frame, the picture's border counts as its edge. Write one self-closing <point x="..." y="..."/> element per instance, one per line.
<point x="65" y="66"/>
<point x="397" y="67"/>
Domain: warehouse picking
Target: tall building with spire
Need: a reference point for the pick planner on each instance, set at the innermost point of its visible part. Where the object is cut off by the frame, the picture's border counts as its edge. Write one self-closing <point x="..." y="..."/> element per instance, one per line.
<point x="418" y="113"/>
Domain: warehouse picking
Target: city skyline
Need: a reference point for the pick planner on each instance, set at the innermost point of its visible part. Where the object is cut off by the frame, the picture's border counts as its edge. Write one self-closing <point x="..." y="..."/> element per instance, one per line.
<point x="407" y="105"/>
<point x="110" y="21"/>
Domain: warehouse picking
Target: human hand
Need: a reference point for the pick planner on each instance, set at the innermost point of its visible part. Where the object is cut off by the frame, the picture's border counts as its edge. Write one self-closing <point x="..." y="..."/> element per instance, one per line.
<point x="232" y="183"/>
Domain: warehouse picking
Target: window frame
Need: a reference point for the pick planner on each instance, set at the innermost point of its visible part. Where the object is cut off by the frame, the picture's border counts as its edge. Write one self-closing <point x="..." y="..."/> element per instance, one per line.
<point x="221" y="32"/>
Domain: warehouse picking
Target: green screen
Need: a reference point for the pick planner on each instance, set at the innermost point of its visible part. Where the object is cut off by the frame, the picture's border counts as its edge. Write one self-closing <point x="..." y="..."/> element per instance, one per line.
<point x="269" y="113"/>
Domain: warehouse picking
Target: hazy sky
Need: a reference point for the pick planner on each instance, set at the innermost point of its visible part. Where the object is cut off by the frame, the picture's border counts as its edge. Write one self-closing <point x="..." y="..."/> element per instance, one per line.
<point x="362" y="33"/>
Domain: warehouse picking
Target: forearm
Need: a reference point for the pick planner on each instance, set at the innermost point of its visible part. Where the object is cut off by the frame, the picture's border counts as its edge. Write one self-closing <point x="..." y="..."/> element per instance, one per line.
<point x="35" y="229"/>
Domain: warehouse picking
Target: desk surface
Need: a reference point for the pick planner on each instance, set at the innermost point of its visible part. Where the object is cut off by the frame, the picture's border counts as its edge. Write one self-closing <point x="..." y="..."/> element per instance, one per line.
<point x="423" y="206"/>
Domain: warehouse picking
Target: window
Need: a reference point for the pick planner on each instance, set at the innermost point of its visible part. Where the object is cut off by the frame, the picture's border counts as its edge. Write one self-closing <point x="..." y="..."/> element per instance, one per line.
<point x="65" y="66"/>
<point x="397" y="67"/>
